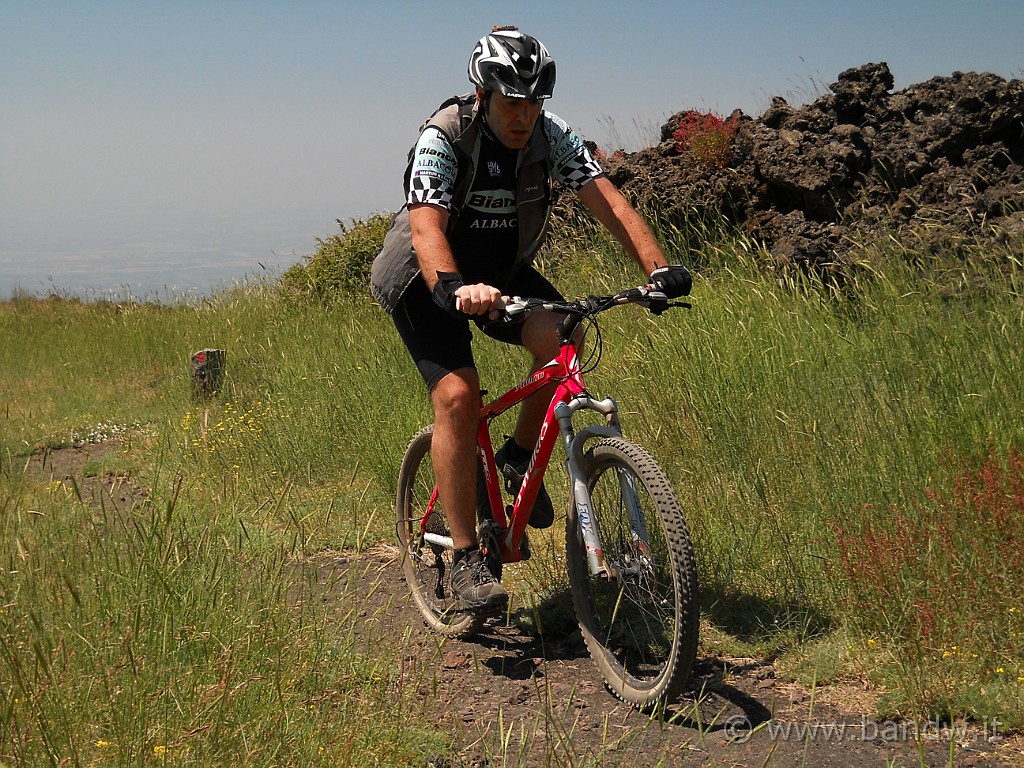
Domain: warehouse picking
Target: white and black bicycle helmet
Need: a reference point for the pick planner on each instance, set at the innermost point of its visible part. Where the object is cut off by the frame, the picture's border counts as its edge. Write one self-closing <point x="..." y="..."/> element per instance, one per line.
<point x="513" y="64"/>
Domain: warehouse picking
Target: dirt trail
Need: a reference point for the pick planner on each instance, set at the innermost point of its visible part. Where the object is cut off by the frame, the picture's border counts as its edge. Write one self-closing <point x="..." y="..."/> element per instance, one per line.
<point x="542" y="691"/>
<point x="546" y="689"/>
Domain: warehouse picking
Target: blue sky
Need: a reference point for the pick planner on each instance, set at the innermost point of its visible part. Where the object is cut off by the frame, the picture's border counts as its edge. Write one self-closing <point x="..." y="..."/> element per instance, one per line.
<point x="170" y="145"/>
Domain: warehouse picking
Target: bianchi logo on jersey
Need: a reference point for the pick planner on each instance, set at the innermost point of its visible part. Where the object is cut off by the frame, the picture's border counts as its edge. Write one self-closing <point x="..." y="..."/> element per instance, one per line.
<point x="492" y="201"/>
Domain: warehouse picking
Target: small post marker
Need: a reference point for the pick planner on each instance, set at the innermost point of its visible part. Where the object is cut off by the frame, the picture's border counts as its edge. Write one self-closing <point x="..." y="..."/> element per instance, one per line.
<point x="207" y="373"/>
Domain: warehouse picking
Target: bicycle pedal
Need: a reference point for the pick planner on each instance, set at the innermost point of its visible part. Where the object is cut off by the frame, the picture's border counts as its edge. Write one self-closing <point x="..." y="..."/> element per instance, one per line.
<point x="524" y="547"/>
<point x="524" y="543"/>
<point x="498" y="610"/>
<point x="513" y="480"/>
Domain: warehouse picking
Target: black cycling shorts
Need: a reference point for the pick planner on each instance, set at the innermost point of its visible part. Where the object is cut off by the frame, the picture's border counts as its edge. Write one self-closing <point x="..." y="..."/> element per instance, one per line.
<point x="440" y="343"/>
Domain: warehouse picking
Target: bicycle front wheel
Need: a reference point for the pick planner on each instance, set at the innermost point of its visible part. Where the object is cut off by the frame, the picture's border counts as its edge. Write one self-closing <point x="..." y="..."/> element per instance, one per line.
<point x="426" y="563"/>
<point x="640" y="619"/>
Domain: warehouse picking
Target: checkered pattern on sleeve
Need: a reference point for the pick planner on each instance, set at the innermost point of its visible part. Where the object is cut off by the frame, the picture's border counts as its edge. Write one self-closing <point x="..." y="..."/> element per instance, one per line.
<point x="571" y="161"/>
<point x="433" y="171"/>
<point x="429" y="189"/>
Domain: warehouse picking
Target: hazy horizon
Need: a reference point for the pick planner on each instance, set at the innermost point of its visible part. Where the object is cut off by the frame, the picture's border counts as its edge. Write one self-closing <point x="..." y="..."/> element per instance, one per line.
<point x="166" y="147"/>
<point x="157" y="257"/>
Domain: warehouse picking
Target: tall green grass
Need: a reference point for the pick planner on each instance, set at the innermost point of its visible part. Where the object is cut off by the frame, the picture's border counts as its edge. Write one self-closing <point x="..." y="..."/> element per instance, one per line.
<point x="192" y="626"/>
<point x="800" y="423"/>
<point x="177" y="632"/>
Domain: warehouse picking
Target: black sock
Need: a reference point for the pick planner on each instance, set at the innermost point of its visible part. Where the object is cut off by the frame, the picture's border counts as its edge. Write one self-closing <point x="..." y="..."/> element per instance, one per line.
<point x="461" y="553"/>
<point x="515" y="453"/>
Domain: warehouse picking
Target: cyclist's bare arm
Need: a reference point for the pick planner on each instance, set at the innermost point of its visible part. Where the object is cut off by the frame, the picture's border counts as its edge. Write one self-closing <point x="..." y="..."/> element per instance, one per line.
<point x="434" y="254"/>
<point x="627" y="226"/>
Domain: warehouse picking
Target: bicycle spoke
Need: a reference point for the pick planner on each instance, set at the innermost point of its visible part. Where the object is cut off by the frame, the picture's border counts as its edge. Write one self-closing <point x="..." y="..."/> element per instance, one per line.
<point x="427" y="564"/>
<point x="639" y="621"/>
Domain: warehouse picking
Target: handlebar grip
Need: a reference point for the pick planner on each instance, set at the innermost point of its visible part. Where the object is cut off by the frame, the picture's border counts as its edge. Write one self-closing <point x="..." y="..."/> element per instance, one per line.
<point x="495" y="316"/>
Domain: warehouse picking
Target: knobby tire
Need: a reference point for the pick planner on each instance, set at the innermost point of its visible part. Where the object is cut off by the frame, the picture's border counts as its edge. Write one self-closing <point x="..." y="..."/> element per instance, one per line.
<point x="427" y="567"/>
<point x="641" y="629"/>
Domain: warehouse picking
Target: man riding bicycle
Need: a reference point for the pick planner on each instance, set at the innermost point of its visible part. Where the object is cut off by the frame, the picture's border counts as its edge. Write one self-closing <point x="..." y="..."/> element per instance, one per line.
<point x="477" y="202"/>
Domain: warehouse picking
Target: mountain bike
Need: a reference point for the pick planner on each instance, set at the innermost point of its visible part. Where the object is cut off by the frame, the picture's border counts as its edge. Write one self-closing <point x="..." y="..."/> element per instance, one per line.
<point x="631" y="565"/>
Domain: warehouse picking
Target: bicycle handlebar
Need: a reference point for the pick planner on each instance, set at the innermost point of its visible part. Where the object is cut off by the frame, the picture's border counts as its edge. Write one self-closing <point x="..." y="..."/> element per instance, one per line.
<point x="518" y="308"/>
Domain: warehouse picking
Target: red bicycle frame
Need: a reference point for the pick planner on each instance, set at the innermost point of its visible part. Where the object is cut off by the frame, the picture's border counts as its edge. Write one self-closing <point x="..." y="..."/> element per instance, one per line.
<point x="564" y="371"/>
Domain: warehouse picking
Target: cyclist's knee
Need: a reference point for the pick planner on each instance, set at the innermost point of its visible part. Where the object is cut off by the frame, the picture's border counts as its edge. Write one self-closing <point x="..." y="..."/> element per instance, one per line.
<point x="457" y="396"/>
<point x="540" y="335"/>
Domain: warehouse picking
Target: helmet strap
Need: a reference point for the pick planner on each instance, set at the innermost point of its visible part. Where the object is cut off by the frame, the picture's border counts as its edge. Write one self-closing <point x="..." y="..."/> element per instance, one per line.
<point x="485" y="103"/>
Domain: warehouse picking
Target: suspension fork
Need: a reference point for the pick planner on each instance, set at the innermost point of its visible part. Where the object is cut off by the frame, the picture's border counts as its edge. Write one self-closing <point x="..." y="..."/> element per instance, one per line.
<point x="574" y="444"/>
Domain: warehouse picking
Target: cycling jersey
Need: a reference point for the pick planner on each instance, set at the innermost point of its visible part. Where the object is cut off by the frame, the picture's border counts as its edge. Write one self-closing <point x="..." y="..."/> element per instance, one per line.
<point x="497" y="199"/>
<point x="485" y="238"/>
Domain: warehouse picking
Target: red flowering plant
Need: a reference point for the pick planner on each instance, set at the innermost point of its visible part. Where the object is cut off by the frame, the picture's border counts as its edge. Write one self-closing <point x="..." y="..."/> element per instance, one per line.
<point x="706" y="137"/>
<point x="602" y="155"/>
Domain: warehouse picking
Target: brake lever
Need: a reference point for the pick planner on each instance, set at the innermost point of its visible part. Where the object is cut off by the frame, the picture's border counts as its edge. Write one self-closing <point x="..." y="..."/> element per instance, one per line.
<point x="662" y="306"/>
<point x="514" y="311"/>
<point x="657" y="308"/>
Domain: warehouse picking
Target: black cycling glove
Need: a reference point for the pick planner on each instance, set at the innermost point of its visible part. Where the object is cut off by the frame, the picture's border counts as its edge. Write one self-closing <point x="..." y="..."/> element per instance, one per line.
<point x="674" y="281"/>
<point x="444" y="292"/>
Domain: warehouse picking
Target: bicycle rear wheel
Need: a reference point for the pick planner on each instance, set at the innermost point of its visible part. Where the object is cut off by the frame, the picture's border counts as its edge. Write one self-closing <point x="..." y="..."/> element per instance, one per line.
<point x="641" y="622"/>
<point x="426" y="565"/>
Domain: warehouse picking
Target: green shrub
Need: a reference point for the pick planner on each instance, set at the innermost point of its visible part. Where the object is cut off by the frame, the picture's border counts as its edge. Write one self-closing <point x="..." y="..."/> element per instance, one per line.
<point x="340" y="267"/>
